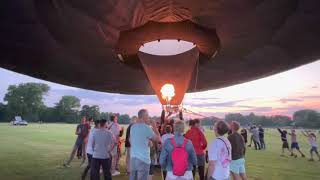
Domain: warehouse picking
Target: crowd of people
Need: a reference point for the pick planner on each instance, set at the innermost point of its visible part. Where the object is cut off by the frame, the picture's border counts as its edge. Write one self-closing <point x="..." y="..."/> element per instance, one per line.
<point x="312" y="139"/>
<point x="180" y="154"/>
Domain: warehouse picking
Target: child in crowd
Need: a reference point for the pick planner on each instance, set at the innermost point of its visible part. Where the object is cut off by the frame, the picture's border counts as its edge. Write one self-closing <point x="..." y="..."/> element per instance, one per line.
<point x="237" y="165"/>
<point x="244" y="134"/>
<point x="200" y="144"/>
<point x="284" y="140"/>
<point x="313" y="142"/>
<point x="294" y="143"/>
<point x="261" y="137"/>
<point x="220" y="153"/>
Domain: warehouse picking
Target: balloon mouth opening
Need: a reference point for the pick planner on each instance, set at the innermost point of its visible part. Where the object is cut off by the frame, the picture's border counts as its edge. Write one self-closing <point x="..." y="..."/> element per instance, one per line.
<point x="166" y="47"/>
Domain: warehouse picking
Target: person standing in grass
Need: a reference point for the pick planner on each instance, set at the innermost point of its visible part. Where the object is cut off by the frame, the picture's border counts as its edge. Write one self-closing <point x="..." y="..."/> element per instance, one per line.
<point x="256" y="138"/>
<point x="178" y="156"/>
<point x="237" y="165"/>
<point x="140" y="135"/>
<point x="115" y="128"/>
<point x="261" y="137"/>
<point x="89" y="149"/>
<point x="103" y="143"/>
<point x="219" y="154"/>
<point x="82" y="132"/>
<point x="284" y="140"/>
<point x="127" y="144"/>
<point x="312" y="138"/>
<point x="244" y="134"/>
<point x="294" y="143"/>
<point x="168" y="134"/>
<point x="200" y="144"/>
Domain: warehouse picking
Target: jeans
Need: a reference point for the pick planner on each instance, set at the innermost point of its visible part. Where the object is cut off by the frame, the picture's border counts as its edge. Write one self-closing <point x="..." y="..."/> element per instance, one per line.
<point x="95" y="169"/>
<point x="139" y="169"/>
<point x="200" y="171"/>
<point x="256" y="144"/>
<point x="263" y="145"/>
<point x="201" y="165"/>
<point x="84" y="174"/>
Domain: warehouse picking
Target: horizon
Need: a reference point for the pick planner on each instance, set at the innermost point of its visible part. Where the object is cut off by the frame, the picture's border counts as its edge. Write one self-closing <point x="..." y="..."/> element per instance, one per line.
<point x="279" y="94"/>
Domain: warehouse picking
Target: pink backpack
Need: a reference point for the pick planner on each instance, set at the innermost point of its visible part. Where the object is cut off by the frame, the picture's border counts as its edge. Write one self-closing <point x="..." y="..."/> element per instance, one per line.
<point x="179" y="157"/>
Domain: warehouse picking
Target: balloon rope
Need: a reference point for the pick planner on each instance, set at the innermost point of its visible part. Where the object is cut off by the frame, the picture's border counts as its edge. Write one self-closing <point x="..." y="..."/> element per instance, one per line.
<point x="197" y="71"/>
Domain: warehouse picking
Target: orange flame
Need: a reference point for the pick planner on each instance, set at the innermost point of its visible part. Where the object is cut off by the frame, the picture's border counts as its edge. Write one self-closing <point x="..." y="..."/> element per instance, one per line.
<point x="167" y="92"/>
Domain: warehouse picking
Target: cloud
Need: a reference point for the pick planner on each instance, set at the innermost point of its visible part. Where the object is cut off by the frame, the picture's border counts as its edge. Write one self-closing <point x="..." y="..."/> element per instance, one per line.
<point x="286" y="100"/>
<point x="310" y="97"/>
<point x="220" y="104"/>
<point x="259" y="110"/>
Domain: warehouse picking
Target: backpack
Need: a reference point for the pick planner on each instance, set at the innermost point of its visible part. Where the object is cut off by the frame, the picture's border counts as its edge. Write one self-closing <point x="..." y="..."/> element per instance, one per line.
<point x="179" y="157"/>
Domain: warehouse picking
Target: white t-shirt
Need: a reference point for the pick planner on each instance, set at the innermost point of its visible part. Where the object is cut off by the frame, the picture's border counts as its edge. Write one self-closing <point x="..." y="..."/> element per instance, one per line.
<point x="165" y="137"/>
<point x="103" y="141"/>
<point x="313" y="141"/>
<point x="219" y="153"/>
<point x="115" y="129"/>
<point x="89" y="149"/>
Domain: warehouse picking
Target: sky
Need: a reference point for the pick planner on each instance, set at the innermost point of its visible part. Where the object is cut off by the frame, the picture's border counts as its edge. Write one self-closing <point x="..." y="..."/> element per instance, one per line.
<point x="283" y="93"/>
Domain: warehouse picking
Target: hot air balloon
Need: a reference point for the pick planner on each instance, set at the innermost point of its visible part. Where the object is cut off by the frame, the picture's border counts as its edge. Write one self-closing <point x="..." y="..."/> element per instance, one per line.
<point x="95" y="44"/>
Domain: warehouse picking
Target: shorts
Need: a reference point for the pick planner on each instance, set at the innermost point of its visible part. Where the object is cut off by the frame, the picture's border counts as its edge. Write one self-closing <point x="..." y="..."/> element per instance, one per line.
<point x="285" y="145"/>
<point x="187" y="176"/>
<point x="295" y="145"/>
<point x="138" y="169"/>
<point x="211" y="178"/>
<point x="238" y="166"/>
<point x="201" y="160"/>
<point x="314" y="149"/>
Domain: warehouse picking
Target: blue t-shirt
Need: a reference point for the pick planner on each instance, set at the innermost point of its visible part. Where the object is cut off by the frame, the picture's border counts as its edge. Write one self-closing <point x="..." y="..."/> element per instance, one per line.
<point x="140" y="134"/>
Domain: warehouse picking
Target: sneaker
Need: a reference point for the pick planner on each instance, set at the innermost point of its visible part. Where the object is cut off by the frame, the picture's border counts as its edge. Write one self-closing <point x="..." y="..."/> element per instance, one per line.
<point x="66" y="165"/>
<point x="311" y="160"/>
<point x="291" y="154"/>
<point x="295" y="156"/>
<point x="83" y="164"/>
<point x="116" y="173"/>
<point x="303" y="155"/>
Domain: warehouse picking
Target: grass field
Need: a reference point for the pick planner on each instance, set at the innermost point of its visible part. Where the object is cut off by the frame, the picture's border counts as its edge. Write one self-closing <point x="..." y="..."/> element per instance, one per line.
<point x="37" y="151"/>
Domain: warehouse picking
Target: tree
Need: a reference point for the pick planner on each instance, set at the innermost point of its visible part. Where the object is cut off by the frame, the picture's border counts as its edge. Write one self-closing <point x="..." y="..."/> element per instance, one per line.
<point x="67" y="109"/>
<point x="90" y="111"/>
<point x="307" y="118"/>
<point x="3" y="113"/>
<point x="26" y="100"/>
<point x="124" y="119"/>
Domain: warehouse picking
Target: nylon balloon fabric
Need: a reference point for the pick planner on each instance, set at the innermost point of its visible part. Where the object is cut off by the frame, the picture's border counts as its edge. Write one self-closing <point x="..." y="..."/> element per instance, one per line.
<point x="173" y="69"/>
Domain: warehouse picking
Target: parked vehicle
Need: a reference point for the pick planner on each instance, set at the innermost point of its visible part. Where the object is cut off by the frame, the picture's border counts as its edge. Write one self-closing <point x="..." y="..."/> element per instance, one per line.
<point x="18" y="121"/>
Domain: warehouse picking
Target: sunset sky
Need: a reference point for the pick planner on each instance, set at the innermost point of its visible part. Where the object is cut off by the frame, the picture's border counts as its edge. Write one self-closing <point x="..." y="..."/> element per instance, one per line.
<point x="282" y="93"/>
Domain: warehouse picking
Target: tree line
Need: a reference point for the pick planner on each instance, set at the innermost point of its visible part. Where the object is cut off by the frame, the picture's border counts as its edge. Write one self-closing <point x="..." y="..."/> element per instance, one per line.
<point x="26" y="100"/>
<point x="306" y="118"/>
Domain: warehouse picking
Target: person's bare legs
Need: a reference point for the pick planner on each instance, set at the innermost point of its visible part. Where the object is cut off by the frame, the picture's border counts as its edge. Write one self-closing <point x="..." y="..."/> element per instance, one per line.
<point x="282" y="152"/>
<point x="235" y="176"/>
<point x="311" y="155"/>
<point x="243" y="176"/>
<point x="302" y="155"/>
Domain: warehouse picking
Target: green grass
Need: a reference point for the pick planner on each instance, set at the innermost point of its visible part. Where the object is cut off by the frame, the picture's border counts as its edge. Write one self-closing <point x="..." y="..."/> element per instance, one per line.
<point x="36" y="152"/>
